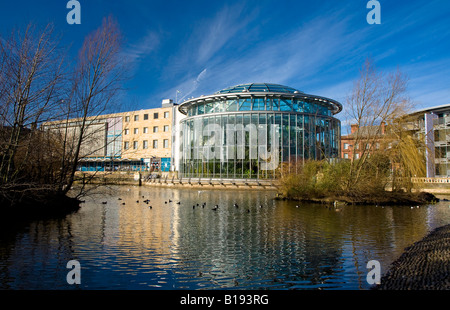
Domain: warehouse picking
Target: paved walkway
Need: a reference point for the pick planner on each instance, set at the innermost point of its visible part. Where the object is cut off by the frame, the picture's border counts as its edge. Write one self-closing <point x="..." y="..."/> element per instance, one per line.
<point x="423" y="266"/>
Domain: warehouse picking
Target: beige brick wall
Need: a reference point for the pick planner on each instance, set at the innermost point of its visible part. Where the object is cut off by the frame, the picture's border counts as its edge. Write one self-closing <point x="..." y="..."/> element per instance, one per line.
<point x="139" y="133"/>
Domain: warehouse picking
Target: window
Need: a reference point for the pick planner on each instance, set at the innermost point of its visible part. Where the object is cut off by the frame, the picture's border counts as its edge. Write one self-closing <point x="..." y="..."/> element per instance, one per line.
<point x="166" y="143"/>
<point x="155" y="115"/>
<point x="145" y="144"/>
<point x="136" y="118"/>
<point x="127" y="119"/>
<point x="346" y="155"/>
<point x="166" y="128"/>
<point x="155" y="129"/>
<point x="245" y="104"/>
<point x="346" y="147"/>
<point x="136" y="131"/>
<point x="357" y="155"/>
<point x="126" y="131"/>
<point x="145" y="117"/>
<point x="285" y="105"/>
<point x="166" y="114"/>
<point x="135" y="145"/>
<point x="145" y="129"/>
<point x="155" y="144"/>
<point x="126" y="145"/>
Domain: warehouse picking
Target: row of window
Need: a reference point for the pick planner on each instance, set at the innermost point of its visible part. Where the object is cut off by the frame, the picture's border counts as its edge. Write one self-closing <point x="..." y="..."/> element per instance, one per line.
<point x="146" y="116"/>
<point x="126" y="144"/>
<point x="145" y="130"/>
<point x="260" y="104"/>
<point x="346" y="156"/>
<point x="347" y="146"/>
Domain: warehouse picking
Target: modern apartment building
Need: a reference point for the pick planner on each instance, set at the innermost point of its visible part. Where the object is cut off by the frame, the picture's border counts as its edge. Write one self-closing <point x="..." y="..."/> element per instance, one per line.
<point x="433" y="125"/>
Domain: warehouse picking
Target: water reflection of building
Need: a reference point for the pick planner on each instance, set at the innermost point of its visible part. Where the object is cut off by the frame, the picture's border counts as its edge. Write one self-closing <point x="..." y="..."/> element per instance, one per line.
<point x="251" y="130"/>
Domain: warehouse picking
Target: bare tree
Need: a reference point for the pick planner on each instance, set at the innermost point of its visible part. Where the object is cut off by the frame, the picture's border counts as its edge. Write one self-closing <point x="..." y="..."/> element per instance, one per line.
<point x="30" y="83"/>
<point x="96" y="82"/>
<point x="35" y="88"/>
<point x="376" y="106"/>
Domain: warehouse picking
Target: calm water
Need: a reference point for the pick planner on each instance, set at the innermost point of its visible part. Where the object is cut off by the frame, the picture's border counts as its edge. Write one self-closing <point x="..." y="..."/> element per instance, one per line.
<point x="176" y="246"/>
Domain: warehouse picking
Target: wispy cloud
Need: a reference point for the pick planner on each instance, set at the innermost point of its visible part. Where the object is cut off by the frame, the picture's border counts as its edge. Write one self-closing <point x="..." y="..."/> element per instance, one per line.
<point x="320" y="55"/>
<point x="300" y="54"/>
<point x="428" y="82"/>
<point x="296" y="57"/>
<point x="137" y="51"/>
<point x="213" y="35"/>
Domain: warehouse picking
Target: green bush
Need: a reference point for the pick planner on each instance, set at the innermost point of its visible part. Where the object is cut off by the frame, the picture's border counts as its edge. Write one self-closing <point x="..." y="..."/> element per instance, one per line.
<point x="322" y="179"/>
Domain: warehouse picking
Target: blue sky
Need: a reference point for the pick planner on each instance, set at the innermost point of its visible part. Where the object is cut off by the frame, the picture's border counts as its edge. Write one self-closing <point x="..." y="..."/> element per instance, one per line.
<point x="200" y="47"/>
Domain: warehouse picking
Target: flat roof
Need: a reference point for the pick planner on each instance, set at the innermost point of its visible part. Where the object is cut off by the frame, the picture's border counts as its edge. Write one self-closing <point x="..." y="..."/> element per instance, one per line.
<point x="438" y="108"/>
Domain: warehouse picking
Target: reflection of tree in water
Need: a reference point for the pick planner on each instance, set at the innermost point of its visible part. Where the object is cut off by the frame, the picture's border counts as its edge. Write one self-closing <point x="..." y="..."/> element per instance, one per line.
<point x="177" y="246"/>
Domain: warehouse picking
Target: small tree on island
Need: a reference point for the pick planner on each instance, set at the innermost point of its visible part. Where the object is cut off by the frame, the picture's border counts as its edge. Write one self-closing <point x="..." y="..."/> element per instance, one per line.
<point x="385" y="153"/>
<point x="379" y="104"/>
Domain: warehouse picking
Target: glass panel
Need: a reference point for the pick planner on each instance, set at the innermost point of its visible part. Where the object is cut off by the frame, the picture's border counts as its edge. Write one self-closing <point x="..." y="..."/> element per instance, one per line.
<point x="258" y="88"/>
<point x="245" y="104"/>
<point x="278" y="119"/>
<point x="232" y="105"/>
<point x="285" y="105"/>
<point x="300" y="105"/>
<point x="285" y="137"/>
<point x="275" y="104"/>
<point x="269" y="104"/>
<point x="293" y="137"/>
<point x="247" y="135"/>
<point x="258" y="104"/>
<point x="276" y="88"/>
<point x="220" y="106"/>
<point x="254" y="137"/>
<point x="295" y="105"/>
<point x="299" y="133"/>
<point x="306" y="142"/>
<point x="200" y="109"/>
<point x="209" y="107"/>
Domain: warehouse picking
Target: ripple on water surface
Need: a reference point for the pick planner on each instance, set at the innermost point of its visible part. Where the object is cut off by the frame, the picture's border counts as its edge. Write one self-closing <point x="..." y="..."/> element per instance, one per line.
<point x="261" y="244"/>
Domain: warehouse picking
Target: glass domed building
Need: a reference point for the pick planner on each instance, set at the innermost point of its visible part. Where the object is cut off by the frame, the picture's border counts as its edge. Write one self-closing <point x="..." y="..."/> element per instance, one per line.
<point x="253" y="131"/>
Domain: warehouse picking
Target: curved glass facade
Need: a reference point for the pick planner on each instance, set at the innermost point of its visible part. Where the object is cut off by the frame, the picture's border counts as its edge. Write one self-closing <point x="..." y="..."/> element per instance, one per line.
<point x="255" y="130"/>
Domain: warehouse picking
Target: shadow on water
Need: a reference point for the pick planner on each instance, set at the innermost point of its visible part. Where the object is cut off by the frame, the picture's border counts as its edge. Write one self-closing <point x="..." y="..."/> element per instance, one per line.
<point x="154" y="238"/>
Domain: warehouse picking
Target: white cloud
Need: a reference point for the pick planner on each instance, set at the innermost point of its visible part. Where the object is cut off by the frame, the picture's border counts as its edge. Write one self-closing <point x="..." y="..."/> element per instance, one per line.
<point x="137" y="51"/>
<point x="182" y="91"/>
<point x="321" y="56"/>
<point x="291" y="58"/>
<point x="213" y="34"/>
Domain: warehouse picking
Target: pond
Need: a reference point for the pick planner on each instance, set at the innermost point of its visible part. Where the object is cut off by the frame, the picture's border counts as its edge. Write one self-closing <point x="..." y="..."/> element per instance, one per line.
<point x="175" y="241"/>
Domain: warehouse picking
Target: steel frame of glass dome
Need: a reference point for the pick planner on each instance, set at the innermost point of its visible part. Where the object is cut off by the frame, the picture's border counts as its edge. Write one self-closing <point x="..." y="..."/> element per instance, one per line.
<point x="251" y="131"/>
